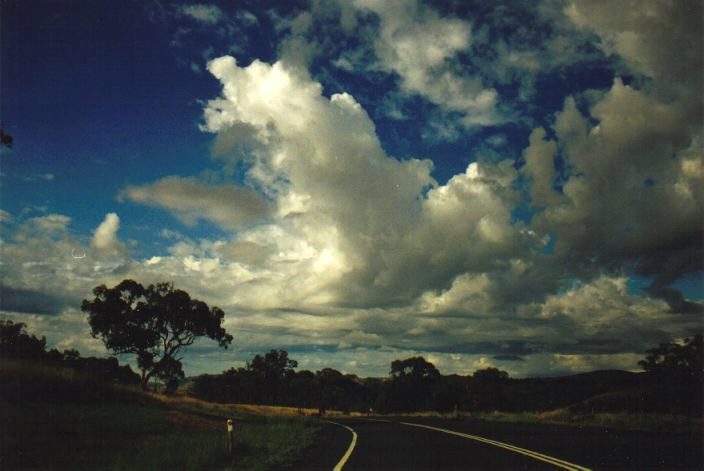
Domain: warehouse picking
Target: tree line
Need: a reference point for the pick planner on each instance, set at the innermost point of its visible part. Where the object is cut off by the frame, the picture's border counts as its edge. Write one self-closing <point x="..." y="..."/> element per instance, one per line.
<point x="672" y="382"/>
<point x="413" y="384"/>
<point x="17" y="344"/>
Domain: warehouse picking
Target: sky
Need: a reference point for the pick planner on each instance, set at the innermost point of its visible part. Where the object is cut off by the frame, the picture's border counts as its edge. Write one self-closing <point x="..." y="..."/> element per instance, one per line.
<point x="502" y="184"/>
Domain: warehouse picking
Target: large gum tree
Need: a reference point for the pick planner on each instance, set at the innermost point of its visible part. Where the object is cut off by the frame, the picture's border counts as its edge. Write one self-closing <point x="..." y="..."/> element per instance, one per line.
<point x="155" y="323"/>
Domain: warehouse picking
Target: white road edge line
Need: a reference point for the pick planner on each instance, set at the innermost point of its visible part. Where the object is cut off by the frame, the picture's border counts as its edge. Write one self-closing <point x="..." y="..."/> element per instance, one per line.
<point x="348" y="453"/>
<point x="533" y="454"/>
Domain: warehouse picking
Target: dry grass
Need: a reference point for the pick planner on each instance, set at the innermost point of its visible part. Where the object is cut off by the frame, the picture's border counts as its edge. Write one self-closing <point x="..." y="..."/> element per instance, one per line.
<point x="564" y="416"/>
<point x="282" y="410"/>
<point x="618" y="420"/>
<point x="188" y="402"/>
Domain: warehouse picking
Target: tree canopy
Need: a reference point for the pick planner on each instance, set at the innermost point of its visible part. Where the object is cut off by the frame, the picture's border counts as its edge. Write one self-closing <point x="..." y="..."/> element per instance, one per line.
<point x="414" y="367"/>
<point x="272" y="371"/>
<point x="155" y="323"/>
<point x="15" y="342"/>
<point x="413" y="383"/>
<point x="669" y="357"/>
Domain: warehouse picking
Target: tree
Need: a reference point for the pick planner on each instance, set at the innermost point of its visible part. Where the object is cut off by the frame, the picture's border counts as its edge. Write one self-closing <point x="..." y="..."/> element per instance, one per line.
<point x="273" y="371"/>
<point x="684" y="359"/>
<point x="412" y="384"/>
<point x="487" y="390"/>
<point x="340" y="391"/>
<point x="155" y="323"/>
<point x="303" y="389"/>
<point x="490" y="375"/>
<point x="16" y="343"/>
<point x="415" y="367"/>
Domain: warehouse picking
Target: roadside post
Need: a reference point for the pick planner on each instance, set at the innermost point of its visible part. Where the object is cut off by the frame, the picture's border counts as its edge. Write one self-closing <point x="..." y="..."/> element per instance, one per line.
<point x="230" y="437"/>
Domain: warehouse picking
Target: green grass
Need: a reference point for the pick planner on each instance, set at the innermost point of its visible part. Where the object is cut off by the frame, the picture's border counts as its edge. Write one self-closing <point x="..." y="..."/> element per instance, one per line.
<point x="275" y="442"/>
<point x="54" y="418"/>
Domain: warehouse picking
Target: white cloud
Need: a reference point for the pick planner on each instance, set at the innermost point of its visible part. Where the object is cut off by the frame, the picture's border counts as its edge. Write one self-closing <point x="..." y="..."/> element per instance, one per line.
<point x="419" y="45"/>
<point x="105" y="236"/>
<point x="638" y="154"/>
<point x="51" y="224"/>
<point x="603" y="309"/>
<point x="207" y="14"/>
<point x="362" y="214"/>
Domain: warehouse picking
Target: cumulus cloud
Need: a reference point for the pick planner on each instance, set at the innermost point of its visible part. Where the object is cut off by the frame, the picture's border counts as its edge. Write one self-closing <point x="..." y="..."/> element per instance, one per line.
<point x="419" y="45"/>
<point x="51" y="224"/>
<point x="45" y="277"/>
<point x="598" y="314"/>
<point x="105" y="236"/>
<point x="630" y="194"/>
<point x="644" y="155"/>
<point x="540" y="167"/>
<point x="365" y="215"/>
<point x="655" y="39"/>
<point x="323" y="164"/>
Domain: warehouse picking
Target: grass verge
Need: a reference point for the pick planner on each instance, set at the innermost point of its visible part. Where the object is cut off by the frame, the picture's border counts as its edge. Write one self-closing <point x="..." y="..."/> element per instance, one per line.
<point x="648" y="422"/>
<point x="55" y="419"/>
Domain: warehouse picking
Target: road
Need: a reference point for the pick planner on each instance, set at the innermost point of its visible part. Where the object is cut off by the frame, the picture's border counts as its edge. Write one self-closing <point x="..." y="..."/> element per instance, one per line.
<point x="425" y="444"/>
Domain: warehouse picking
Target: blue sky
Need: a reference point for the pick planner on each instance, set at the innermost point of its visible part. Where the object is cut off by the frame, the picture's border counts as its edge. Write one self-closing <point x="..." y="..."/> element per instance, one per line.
<point x="510" y="184"/>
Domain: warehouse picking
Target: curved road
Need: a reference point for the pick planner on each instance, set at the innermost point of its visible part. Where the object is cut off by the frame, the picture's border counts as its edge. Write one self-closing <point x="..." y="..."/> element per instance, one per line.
<point x="425" y="444"/>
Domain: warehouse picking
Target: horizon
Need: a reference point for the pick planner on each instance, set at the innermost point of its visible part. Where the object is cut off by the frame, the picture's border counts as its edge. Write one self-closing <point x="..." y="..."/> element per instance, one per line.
<point x="517" y="185"/>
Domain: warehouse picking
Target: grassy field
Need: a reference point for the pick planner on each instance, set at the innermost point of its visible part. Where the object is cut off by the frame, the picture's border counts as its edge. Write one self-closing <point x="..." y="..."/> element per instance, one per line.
<point x="648" y="422"/>
<point x="56" y="419"/>
<point x="191" y="403"/>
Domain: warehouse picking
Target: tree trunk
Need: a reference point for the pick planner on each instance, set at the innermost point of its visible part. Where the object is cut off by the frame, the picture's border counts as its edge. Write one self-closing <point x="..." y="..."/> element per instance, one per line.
<point x="144" y="382"/>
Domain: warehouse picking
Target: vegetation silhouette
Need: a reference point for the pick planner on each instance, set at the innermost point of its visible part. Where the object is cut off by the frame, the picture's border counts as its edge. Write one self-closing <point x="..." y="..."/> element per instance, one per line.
<point x="413" y="385"/>
<point x="93" y="375"/>
<point x="16" y="343"/>
<point x="672" y="383"/>
<point x="684" y="360"/>
<point x="155" y="323"/>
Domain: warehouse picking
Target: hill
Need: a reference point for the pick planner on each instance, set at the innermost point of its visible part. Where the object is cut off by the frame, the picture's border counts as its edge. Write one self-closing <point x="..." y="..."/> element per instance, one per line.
<point x="540" y="394"/>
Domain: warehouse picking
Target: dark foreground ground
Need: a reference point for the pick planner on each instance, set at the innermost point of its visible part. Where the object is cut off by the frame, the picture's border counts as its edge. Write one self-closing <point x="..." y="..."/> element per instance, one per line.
<point x="383" y="445"/>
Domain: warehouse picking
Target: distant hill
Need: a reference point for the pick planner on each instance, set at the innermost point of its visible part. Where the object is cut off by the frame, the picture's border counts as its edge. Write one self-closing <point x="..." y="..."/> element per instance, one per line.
<point x="605" y="391"/>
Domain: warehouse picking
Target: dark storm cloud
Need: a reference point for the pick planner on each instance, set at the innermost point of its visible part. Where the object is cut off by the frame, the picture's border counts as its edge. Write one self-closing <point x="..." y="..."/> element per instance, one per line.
<point x="33" y="301"/>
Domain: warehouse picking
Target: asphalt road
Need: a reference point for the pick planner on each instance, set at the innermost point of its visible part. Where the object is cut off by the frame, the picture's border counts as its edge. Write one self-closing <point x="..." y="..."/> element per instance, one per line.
<point x="392" y="445"/>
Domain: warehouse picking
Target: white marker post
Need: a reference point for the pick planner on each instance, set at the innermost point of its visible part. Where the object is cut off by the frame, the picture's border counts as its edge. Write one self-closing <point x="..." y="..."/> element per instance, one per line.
<point x="230" y="437"/>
